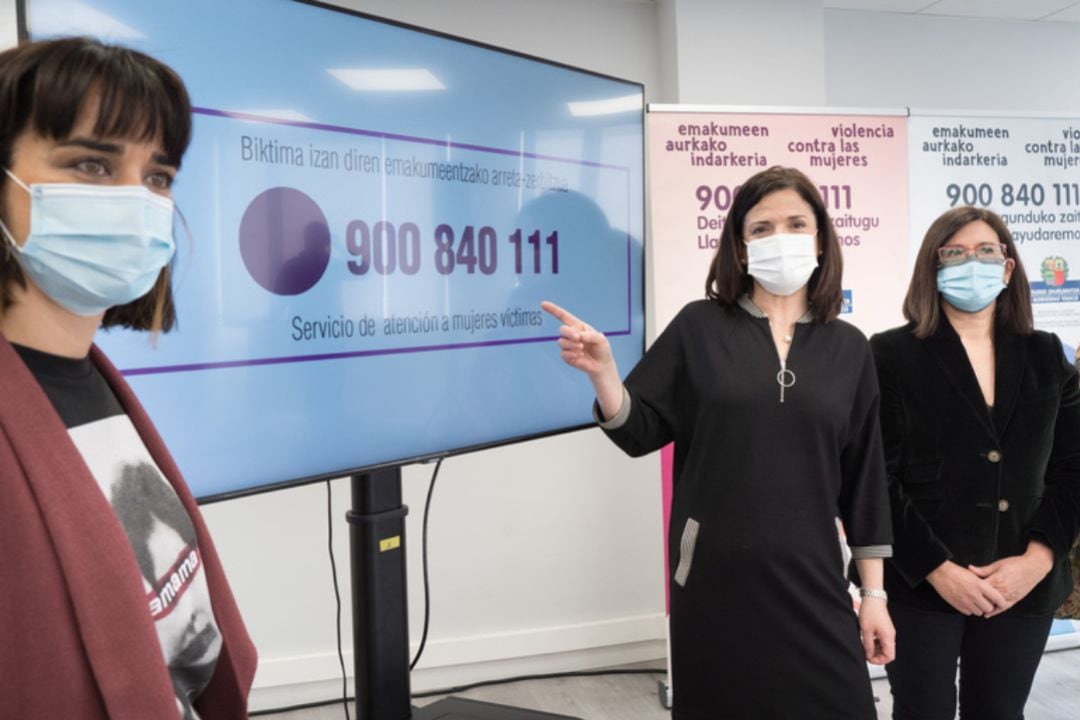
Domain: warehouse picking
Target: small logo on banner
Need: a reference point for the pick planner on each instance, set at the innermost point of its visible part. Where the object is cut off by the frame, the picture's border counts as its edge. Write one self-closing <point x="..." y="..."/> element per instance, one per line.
<point x="846" y="305"/>
<point x="1055" y="286"/>
<point x="1055" y="271"/>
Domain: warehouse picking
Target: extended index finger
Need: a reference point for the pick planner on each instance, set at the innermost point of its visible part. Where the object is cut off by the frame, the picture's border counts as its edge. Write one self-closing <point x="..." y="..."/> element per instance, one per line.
<point x="559" y="313"/>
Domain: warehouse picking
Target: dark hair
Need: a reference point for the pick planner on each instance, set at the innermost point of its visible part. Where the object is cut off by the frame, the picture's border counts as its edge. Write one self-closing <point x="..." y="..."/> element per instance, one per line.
<point x="922" y="305"/>
<point x="44" y="88"/>
<point x="728" y="278"/>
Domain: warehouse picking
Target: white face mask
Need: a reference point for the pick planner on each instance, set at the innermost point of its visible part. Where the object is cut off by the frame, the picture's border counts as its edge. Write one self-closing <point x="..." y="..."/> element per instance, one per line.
<point x="782" y="263"/>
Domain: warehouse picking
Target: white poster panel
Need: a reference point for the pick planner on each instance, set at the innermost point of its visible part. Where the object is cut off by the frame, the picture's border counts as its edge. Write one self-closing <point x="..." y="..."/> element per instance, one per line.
<point x="1027" y="169"/>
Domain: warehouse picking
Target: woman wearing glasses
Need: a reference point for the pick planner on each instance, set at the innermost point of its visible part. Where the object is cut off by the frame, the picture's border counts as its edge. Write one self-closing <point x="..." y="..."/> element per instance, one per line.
<point x="981" y="425"/>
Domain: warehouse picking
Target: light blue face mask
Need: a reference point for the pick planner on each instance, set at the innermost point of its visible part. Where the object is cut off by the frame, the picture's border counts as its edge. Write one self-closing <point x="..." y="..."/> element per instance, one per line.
<point x="972" y="285"/>
<point x="93" y="247"/>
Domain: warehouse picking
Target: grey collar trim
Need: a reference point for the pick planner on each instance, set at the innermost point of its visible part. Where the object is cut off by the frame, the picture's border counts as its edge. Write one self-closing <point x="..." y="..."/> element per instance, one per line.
<point x="748" y="305"/>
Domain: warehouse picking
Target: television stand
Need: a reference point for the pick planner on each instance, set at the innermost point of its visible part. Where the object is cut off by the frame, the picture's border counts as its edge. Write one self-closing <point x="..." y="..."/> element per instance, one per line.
<point x="380" y="612"/>
<point x="454" y="708"/>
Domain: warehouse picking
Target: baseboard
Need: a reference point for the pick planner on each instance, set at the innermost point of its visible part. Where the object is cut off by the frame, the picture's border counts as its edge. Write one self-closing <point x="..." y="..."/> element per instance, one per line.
<point x="449" y="662"/>
<point x="1063" y="642"/>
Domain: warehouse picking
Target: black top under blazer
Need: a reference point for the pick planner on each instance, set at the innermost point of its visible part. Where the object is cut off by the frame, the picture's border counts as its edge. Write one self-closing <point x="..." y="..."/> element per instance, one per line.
<point x="975" y="484"/>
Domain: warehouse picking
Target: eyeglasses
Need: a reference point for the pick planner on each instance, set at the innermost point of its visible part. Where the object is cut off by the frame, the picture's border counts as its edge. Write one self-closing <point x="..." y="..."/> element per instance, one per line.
<point x="983" y="252"/>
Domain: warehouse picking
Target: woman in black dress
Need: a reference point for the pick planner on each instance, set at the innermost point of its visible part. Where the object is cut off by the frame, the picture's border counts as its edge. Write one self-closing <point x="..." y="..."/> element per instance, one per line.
<point x="772" y="404"/>
<point x="981" y="425"/>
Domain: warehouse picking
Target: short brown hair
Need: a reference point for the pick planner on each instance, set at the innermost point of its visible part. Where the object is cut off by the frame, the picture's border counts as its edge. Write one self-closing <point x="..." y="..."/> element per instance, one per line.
<point x="728" y="278"/>
<point x="922" y="306"/>
<point x="44" y="87"/>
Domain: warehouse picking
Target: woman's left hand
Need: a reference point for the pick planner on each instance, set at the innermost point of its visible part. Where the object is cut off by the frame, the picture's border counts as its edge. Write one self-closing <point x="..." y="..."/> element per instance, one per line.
<point x="878" y="633"/>
<point x="1016" y="576"/>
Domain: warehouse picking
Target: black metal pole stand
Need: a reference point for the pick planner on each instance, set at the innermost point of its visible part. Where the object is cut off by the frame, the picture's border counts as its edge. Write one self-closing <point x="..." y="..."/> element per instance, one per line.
<point x="380" y="610"/>
<point x="381" y="615"/>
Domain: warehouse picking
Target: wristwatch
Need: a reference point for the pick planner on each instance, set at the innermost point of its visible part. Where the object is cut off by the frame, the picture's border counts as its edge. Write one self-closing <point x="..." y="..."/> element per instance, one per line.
<point x="873" y="593"/>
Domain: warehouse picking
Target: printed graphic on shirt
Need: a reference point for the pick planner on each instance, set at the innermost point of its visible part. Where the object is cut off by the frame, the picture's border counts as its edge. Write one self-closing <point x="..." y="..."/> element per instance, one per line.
<point x="164" y="542"/>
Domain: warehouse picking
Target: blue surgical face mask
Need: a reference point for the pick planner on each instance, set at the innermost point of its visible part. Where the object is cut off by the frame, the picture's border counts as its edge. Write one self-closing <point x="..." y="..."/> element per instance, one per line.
<point x="93" y="247"/>
<point x="972" y="285"/>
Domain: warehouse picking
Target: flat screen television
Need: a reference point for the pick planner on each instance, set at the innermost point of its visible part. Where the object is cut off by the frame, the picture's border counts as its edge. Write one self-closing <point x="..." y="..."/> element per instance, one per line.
<point x="374" y="214"/>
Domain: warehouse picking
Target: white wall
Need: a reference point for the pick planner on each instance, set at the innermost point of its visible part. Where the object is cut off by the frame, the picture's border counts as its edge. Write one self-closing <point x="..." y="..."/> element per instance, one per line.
<point x="892" y="60"/>
<point x="744" y="52"/>
<point x="612" y="37"/>
<point x="8" y="26"/>
<point x="549" y="548"/>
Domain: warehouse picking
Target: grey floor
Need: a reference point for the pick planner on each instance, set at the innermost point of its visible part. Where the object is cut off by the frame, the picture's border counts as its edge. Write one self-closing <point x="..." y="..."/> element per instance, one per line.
<point x="1055" y="696"/>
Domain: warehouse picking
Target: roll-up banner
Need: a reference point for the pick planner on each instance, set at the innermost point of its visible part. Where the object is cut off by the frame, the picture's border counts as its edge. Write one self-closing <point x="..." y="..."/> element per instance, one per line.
<point x="1026" y="168"/>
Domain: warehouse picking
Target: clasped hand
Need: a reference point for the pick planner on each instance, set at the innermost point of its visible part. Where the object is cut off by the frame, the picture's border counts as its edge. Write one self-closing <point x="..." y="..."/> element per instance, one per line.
<point x="992" y="589"/>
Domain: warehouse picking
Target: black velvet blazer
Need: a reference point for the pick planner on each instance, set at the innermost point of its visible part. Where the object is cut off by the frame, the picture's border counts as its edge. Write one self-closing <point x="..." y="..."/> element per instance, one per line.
<point x="975" y="484"/>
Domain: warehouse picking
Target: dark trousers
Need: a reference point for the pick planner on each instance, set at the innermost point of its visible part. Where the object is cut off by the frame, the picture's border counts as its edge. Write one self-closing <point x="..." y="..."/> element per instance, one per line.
<point x="998" y="658"/>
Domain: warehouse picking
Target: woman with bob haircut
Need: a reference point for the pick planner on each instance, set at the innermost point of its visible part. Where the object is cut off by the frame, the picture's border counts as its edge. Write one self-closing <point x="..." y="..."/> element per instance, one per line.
<point x="772" y="404"/>
<point x="106" y="609"/>
<point x="980" y="415"/>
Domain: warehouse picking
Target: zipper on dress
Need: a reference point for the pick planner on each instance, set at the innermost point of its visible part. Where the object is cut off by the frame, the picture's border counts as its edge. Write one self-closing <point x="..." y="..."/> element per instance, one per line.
<point x="785" y="378"/>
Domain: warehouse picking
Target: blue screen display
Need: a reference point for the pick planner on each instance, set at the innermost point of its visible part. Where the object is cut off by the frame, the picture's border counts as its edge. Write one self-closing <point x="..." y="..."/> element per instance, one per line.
<point x="374" y="214"/>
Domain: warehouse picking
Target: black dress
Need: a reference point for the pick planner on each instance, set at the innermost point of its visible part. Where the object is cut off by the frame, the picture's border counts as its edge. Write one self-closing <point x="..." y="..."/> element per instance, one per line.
<point x="762" y="625"/>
